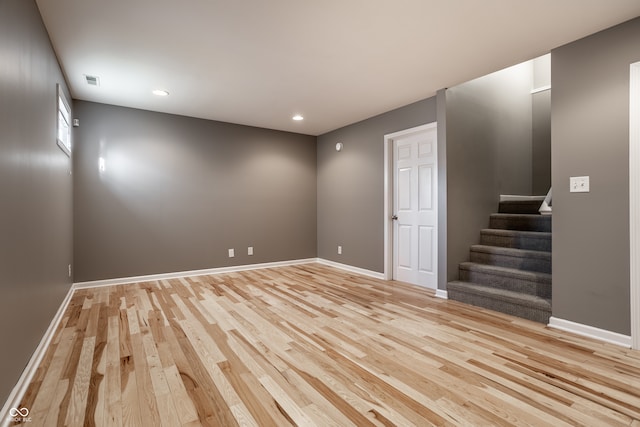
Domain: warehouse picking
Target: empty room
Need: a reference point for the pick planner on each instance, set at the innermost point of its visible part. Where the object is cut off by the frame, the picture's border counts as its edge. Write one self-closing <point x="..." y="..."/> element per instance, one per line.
<point x="337" y="213"/>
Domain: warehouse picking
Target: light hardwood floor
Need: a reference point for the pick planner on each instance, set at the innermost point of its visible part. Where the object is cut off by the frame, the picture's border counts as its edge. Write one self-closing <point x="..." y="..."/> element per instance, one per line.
<point x="311" y="345"/>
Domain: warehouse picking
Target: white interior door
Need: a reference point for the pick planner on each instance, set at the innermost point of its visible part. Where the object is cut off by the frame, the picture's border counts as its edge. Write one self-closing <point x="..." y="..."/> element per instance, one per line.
<point x="415" y="206"/>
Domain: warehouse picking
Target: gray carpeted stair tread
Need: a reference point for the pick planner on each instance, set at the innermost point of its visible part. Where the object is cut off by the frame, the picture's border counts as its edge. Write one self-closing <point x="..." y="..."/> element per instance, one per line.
<point x="522" y="222"/>
<point x="529" y="282"/>
<point x="514" y="303"/>
<point x="513" y="273"/>
<point x="521" y="253"/>
<point x="524" y="299"/>
<point x="512" y="258"/>
<point x="528" y="240"/>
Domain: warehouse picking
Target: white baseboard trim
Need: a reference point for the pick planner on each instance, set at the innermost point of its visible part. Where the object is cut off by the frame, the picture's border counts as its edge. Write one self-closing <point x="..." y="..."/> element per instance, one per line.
<point x="590" y="332"/>
<point x="441" y="293"/>
<point x="190" y="273"/>
<point x="350" y="268"/>
<point x="13" y="401"/>
<point x="221" y="270"/>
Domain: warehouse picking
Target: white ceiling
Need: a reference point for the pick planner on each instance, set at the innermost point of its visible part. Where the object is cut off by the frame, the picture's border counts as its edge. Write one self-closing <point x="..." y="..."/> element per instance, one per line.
<point x="258" y="62"/>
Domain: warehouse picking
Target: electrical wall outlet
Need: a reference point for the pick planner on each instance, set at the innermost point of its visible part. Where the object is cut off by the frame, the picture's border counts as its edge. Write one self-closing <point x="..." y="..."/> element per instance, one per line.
<point x="232" y="253"/>
<point x="69" y="270"/>
<point x="339" y="250"/>
<point x="250" y="250"/>
<point x="579" y="184"/>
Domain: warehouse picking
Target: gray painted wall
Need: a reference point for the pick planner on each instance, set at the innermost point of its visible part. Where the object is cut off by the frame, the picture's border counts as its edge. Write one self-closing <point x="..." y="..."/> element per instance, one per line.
<point x="35" y="189"/>
<point x="488" y="122"/>
<point x="590" y="136"/>
<point x="351" y="185"/>
<point x="541" y="143"/>
<point x="178" y="192"/>
<point x="541" y="127"/>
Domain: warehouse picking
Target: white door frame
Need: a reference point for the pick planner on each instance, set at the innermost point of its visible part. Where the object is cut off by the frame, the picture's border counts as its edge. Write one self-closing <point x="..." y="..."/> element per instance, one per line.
<point x="388" y="194"/>
<point x="634" y="202"/>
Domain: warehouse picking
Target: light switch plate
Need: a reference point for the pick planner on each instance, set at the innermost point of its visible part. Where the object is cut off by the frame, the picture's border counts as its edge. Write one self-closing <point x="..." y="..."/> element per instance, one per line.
<point x="579" y="184"/>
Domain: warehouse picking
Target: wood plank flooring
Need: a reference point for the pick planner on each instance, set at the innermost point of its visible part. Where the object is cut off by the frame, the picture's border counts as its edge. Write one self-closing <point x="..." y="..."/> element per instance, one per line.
<point x="311" y="345"/>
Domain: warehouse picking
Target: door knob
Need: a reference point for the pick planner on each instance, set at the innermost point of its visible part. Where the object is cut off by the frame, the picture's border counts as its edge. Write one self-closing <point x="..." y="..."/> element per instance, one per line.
<point x="395" y="217"/>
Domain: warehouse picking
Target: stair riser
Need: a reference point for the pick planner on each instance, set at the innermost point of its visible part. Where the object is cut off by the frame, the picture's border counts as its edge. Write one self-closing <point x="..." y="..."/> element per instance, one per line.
<point x="520" y="263"/>
<point x="542" y="290"/>
<point x="516" y="242"/>
<point x="530" y="313"/>
<point x="520" y="207"/>
<point x="533" y="223"/>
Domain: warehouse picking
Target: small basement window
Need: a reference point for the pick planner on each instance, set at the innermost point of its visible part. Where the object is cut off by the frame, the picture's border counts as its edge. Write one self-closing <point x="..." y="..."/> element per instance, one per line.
<point x="64" y="122"/>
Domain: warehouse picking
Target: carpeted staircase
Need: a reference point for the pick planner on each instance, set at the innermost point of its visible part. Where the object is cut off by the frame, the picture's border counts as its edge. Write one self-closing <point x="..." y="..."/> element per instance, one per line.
<point x="510" y="270"/>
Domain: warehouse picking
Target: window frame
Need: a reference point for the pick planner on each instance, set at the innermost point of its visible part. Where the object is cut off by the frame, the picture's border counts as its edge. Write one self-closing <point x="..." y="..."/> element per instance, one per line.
<point x="63" y="121"/>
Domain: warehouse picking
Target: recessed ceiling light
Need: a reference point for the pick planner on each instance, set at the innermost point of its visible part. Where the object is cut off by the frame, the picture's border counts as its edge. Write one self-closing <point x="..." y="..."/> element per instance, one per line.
<point x="297" y="117"/>
<point x="160" y="92"/>
<point x="92" y="80"/>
